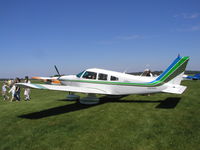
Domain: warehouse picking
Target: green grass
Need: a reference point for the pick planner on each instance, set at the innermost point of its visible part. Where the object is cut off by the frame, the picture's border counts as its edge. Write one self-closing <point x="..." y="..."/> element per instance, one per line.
<point x="136" y="122"/>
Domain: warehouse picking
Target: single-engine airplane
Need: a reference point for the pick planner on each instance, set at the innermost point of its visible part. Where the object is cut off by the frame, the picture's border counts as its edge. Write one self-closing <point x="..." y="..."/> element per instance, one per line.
<point x="194" y="77"/>
<point x="99" y="81"/>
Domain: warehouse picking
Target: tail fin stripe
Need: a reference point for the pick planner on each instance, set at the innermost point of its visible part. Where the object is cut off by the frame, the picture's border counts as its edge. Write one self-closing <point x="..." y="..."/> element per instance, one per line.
<point x="171" y="69"/>
<point x="178" y="65"/>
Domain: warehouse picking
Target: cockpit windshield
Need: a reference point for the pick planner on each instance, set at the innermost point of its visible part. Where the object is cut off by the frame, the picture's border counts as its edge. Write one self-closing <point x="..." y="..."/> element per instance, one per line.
<point x="90" y="75"/>
<point x="80" y="74"/>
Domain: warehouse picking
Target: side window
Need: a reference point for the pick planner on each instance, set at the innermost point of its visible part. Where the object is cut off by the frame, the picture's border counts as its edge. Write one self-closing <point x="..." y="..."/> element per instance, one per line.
<point x="112" y="78"/>
<point x="102" y="76"/>
<point x="90" y="75"/>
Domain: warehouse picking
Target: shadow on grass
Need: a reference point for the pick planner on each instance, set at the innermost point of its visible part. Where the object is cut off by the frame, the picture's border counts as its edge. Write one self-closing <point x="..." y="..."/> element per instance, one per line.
<point x="166" y="104"/>
<point x="169" y="103"/>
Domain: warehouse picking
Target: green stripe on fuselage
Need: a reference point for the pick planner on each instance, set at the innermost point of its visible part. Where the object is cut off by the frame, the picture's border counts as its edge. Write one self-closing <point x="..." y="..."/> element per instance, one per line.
<point x="114" y="83"/>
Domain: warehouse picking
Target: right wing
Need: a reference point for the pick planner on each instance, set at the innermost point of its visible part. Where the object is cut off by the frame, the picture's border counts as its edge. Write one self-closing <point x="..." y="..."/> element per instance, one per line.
<point x="63" y="88"/>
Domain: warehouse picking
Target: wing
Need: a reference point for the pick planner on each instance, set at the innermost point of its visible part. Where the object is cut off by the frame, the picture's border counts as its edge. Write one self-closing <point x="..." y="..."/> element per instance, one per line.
<point x="62" y="88"/>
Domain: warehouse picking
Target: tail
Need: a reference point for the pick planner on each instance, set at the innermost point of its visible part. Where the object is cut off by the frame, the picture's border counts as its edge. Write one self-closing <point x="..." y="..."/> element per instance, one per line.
<point x="172" y="76"/>
<point x="174" y="72"/>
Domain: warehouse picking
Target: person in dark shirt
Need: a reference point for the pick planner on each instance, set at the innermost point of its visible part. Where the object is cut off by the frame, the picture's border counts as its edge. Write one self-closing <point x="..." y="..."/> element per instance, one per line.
<point x="17" y="91"/>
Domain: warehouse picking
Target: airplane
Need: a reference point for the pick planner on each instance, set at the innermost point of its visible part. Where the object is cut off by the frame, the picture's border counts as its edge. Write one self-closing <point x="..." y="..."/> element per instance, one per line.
<point x="105" y="82"/>
<point x="195" y="77"/>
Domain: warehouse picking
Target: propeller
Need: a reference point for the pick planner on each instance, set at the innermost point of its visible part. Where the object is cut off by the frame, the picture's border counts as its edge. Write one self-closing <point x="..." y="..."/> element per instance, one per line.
<point x="57" y="71"/>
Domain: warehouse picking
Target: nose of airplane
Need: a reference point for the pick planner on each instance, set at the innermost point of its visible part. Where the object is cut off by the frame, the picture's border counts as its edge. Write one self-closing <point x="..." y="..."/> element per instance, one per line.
<point x="61" y="78"/>
<point x="66" y="80"/>
<point x="68" y="77"/>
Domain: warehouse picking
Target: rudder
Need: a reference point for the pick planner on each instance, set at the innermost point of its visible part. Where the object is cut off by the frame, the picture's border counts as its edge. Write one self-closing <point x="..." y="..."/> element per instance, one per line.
<point x="173" y="74"/>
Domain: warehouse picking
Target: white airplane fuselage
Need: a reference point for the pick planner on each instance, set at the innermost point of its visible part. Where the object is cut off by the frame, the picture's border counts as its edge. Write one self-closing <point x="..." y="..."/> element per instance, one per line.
<point x="112" y="87"/>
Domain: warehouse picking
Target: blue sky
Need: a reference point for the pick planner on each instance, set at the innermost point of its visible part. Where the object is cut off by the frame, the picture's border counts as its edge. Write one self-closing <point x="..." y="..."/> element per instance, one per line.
<point x="111" y="34"/>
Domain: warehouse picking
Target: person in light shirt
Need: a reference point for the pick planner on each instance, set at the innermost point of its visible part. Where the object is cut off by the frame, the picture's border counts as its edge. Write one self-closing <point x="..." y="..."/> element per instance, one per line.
<point x="27" y="90"/>
<point x="12" y="91"/>
<point x="4" y="91"/>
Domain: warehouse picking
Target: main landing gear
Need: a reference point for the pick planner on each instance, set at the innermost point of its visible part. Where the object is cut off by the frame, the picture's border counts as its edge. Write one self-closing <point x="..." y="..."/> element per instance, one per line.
<point x="90" y="99"/>
<point x="72" y="97"/>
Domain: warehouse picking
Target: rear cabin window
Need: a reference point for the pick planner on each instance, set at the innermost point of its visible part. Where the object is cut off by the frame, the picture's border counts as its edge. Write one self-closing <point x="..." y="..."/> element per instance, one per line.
<point x="90" y="75"/>
<point x="102" y="76"/>
<point x="112" y="78"/>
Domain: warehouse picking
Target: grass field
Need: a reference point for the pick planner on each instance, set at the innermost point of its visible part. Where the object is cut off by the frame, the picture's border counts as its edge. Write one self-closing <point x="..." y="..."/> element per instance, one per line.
<point x="136" y="122"/>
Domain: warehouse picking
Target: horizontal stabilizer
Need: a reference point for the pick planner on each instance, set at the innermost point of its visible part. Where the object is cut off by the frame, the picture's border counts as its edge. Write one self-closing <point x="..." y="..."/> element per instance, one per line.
<point x="177" y="89"/>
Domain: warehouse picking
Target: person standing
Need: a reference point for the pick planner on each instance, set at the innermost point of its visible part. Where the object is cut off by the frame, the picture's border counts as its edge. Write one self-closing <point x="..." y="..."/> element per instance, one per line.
<point x="27" y="90"/>
<point x="12" y="91"/>
<point x="17" y="92"/>
<point x="4" y="91"/>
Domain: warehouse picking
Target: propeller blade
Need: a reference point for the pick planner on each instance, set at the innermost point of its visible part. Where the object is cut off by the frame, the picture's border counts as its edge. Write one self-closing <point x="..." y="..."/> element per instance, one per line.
<point x="57" y="71"/>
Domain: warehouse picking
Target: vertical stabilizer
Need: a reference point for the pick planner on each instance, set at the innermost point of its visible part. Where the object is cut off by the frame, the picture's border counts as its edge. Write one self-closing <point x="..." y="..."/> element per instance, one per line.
<point x="173" y="74"/>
